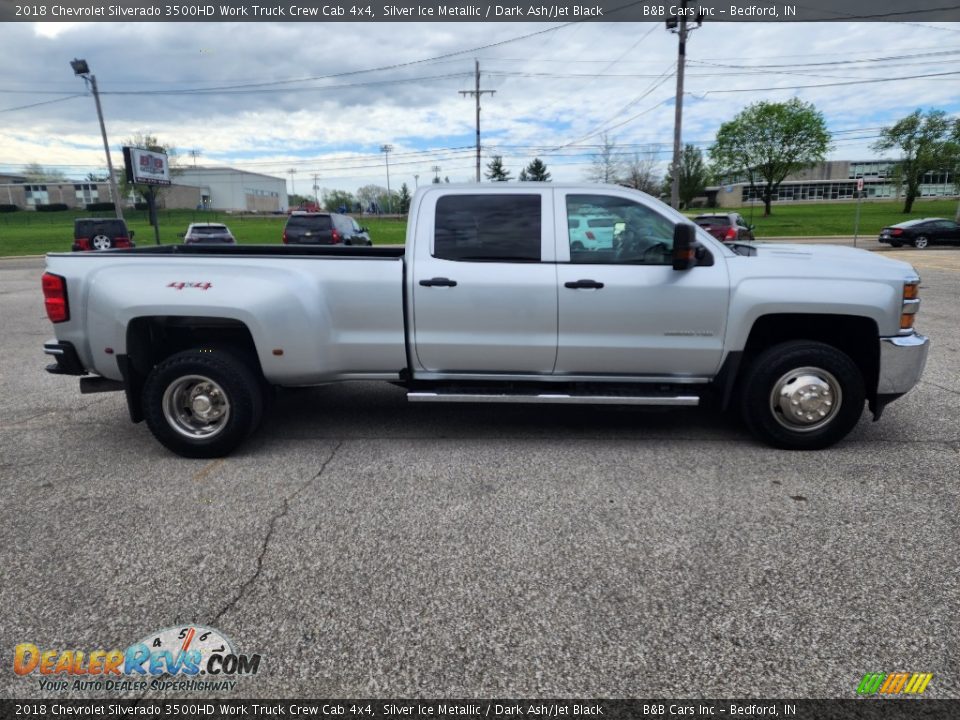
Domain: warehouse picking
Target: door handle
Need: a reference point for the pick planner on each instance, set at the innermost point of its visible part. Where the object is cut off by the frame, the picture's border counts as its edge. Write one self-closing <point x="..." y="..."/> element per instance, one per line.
<point x="587" y="284"/>
<point x="439" y="282"/>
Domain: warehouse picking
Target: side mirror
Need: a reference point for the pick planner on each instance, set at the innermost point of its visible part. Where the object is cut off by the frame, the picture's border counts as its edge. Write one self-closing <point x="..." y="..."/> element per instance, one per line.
<point x="684" y="237"/>
<point x="132" y="233"/>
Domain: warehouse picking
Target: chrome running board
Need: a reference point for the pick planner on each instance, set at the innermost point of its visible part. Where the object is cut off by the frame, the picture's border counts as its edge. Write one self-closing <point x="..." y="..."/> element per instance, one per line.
<point x="555" y="398"/>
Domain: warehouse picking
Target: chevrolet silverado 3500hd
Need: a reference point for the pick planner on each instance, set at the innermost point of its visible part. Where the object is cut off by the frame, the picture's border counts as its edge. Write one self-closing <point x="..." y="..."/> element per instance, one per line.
<point x="494" y="299"/>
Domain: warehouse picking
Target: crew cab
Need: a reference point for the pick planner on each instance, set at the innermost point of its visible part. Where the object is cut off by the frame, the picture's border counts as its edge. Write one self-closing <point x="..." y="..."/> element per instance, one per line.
<point x="494" y="298"/>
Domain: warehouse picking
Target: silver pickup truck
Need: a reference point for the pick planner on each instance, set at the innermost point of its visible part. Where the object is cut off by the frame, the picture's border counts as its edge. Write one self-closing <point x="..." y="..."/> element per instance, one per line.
<point x="519" y="293"/>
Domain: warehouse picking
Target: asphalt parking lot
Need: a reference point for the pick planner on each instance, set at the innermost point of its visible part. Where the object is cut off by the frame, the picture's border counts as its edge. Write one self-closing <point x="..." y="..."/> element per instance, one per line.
<point x="365" y="546"/>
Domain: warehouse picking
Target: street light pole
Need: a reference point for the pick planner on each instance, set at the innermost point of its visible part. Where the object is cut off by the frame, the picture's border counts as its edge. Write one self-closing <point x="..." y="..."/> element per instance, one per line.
<point x="81" y="69"/>
<point x="385" y="149"/>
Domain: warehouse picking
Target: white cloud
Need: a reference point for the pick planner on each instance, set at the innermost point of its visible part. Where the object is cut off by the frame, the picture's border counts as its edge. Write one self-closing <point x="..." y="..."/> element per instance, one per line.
<point x="551" y="89"/>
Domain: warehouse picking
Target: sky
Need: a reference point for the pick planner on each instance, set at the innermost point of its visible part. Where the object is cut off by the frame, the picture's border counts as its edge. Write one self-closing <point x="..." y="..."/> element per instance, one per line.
<point x="322" y="99"/>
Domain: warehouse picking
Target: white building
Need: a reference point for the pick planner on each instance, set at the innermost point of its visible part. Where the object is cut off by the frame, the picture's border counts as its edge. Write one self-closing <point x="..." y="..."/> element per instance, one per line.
<point x="224" y="188"/>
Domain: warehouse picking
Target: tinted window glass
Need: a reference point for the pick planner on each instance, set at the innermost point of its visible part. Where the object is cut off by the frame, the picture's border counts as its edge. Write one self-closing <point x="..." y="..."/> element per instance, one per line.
<point x="105" y="227"/>
<point x="624" y="232"/>
<point x="310" y="222"/>
<point x="488" y="227"/>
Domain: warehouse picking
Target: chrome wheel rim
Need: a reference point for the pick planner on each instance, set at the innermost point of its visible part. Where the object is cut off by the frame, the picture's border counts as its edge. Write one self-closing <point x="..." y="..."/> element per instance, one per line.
<point x="805" y="399"/>
<point x="101" y="242"/>
<point x="196" y="407"/>
<point x="921" y="242"/>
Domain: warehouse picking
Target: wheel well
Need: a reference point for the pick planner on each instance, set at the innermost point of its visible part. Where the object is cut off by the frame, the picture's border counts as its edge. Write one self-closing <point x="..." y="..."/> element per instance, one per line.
<point x="853" y="335"/>
<point x="152" y="339"/>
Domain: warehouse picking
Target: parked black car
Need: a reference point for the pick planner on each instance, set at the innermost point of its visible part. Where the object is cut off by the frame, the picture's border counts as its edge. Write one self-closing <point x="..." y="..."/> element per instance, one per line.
<point x="323" y="228"/>
<point x="921" y="233"/>
<point x="726" y="227"/>
<point x="100" y="234"/>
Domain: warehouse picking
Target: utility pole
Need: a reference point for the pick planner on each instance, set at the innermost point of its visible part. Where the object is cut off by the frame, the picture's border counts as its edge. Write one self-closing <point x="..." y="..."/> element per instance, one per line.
<point x="293" y="183"/>
<point x="436" y="170"/>
<point x="416" y="182"/>
<point x="385" y="149"/>
<point x="316" y="189"/>
<point x="194" y="154"/>
<point x="81" y="69"/>
<point x="477" y="92"/>
<point x="679" y="26"/>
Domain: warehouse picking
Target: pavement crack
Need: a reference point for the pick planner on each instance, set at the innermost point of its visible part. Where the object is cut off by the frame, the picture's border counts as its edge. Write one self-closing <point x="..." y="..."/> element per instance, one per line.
<point x="940" y="387"/>
<point x="274" y="519"/>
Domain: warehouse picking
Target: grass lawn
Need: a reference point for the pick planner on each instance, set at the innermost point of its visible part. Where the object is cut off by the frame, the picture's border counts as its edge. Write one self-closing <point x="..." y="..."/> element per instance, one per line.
<point x="33" y="233"/>
<point x="825" y="219"/>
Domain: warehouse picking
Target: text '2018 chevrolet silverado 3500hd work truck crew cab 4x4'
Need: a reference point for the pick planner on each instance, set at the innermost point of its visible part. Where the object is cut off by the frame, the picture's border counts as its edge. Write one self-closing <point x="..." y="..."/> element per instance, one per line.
<point x="493" y="300"/>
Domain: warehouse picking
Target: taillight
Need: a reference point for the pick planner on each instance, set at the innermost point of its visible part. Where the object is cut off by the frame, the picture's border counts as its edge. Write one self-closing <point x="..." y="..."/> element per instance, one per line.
<point x="121" y="242"/>
<point x="731" y="234"/>
<point x="284" y="237"/>
<point x="897" y="231"/>
<point x="336" y="236"/>
<point x="83" y="243"/>
<point x="55" y="298"/>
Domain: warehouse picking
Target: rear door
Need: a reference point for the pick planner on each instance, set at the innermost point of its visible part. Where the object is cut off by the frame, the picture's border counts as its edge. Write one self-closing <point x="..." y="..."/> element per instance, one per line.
<point x="484" y="283"/>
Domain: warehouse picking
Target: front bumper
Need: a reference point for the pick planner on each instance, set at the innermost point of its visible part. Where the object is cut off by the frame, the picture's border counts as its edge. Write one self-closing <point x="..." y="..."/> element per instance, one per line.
<point x="902" y="360"/>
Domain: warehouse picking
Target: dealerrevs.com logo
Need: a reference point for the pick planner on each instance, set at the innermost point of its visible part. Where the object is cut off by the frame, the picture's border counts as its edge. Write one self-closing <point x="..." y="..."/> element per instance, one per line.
<point x="189" y="657"/>
<point x="894" y="683"/>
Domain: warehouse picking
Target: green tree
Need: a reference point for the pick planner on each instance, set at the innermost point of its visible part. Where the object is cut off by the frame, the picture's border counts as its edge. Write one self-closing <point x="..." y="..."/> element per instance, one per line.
<point x="536" y="171"/>
<point x="523" y="177"/>
<point x="495" y="170"/>
<point x="768" y="141"/>
<point x="333" y="200"/>
<point x="403" y="199"/>
<point x="694" y="175"/>
<point x="926" y="142"/>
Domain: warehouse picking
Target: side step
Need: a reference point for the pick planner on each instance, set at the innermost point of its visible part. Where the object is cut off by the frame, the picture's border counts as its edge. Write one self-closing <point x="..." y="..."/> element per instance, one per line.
<point x="555" y="398"/>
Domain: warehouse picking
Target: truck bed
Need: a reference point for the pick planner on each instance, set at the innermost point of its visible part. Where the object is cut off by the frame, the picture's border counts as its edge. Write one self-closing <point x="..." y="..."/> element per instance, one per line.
<point x="376" y="251"/>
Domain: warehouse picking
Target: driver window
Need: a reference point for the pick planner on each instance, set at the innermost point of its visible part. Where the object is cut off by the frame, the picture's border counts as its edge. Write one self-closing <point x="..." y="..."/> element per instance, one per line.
<point x="611" y="230"/>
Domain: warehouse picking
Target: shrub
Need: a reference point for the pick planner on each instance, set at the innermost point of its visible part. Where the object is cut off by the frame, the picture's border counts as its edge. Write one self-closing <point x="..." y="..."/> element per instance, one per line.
<point x="140" y="206"/>
<point x="52" y="207"/>
<point x="101" y="207"/>
<point x="8" y="208"/>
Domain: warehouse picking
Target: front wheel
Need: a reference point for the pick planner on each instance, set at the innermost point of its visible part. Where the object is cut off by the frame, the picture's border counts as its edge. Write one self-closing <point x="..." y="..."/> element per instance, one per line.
<point x="802" y="395"/>
<point x="921" y="242"/>
<point x="202" y="403"/>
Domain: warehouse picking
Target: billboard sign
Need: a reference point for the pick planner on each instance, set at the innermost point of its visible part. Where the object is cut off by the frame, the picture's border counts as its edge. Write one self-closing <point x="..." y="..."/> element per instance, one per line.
<point x="146" y="167"/>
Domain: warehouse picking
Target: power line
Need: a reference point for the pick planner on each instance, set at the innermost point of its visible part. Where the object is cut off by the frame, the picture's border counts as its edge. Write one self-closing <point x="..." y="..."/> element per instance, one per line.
<point x="45" y="102"/>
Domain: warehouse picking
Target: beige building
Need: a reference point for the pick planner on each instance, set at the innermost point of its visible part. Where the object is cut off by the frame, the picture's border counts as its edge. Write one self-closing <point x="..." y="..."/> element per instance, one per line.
<point x="219" y="188"/>
<point x="835" y="180"/>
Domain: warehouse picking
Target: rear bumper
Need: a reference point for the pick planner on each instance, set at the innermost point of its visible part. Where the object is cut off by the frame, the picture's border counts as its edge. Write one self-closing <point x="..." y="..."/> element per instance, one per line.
<point x="902" y="360"/>
<point x="67" y="360"/>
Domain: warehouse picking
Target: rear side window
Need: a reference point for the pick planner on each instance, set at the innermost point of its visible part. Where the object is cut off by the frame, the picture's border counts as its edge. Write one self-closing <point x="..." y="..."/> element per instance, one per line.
<point x="488" y="228"/>
<point x="712" y="221"/>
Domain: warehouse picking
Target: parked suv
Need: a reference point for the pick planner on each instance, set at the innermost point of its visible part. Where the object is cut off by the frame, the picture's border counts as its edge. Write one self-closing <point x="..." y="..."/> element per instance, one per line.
<point x="100" y="234"/>
<point x="324" y="228"/>
<point x="728" y="227"/>
<point x="208" y="233"/>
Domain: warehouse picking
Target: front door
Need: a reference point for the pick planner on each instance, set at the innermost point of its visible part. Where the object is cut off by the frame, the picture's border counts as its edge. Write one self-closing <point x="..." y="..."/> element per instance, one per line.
<point x="623" y="309"/>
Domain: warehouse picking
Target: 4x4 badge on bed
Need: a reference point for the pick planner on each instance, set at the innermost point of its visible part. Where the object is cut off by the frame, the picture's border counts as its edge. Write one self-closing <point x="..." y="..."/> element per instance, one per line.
<point x="182" y="285"/>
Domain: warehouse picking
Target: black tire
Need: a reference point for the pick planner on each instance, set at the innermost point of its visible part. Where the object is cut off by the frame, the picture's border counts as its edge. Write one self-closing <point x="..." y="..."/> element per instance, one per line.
<point x="227" y="406"/>
<point x="823" y="406"/>
<point x="921" y="242"/>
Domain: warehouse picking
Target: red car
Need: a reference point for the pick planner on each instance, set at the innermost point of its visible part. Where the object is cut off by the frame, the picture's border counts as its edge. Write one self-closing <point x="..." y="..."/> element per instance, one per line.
<point x="727" y="227"/>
